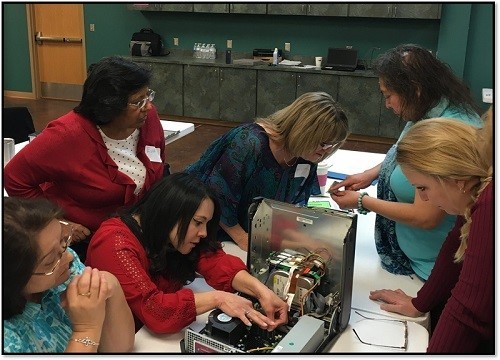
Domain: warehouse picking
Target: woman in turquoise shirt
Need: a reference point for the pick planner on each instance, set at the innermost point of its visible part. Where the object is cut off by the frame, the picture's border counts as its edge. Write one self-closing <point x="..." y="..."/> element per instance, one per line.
<point x="408" y="231"/>
<point x="52" y="303"/>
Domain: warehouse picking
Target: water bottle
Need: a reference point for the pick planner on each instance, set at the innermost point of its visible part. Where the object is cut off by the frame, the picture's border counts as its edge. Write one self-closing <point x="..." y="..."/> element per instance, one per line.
<point x="213" y="52"/>
<point x="275" y="56"/>
<point x="194" y="50"/>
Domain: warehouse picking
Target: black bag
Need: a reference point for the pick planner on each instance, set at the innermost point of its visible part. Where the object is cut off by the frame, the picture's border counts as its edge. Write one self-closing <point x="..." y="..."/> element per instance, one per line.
<point x="146" y="43"/>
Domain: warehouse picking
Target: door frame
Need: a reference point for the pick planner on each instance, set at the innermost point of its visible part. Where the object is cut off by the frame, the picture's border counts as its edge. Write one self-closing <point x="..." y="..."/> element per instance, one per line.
<point x="35" y="71"/>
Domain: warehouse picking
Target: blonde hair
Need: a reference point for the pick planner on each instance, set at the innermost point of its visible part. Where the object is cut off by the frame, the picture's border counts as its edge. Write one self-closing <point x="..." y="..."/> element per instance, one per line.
<point x="448" y="149"/>
<point x="312" y="119"/>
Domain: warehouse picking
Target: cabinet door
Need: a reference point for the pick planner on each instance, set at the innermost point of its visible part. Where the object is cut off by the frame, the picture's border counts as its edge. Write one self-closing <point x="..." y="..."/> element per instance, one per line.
<point x="370" y="10"/>
<point x="238" y="94"/>
<point x="317" y="82"/>
<point x="360" y="99"/>
<point x="390" y="125"/>
<point x="327" y="9"/>
<point x="183" y="7"/>
<point x="286" y="9"/>
<point x="275" y="90"/>
<point x="417" y="11"/>
<point x="201" y="91"/>
<point x="240" y="8"/>
<point x="144" y="7"/>
<point x="211" y="8"/>
<point x="167" y="82"/>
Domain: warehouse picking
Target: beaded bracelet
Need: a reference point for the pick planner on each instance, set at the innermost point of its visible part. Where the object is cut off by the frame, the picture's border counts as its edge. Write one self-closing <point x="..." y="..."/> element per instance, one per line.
<point x="361" y="209"/>
<point x="86" y="341"/>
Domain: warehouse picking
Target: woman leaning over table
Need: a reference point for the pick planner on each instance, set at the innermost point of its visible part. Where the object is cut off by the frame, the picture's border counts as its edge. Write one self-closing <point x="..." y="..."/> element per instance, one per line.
<point x="158" y="245"/>
<point x="275" y="157"/>
<point x="50" y="301"/>
<point x="104" y="154"/>
<point x="450" y="165"/>
<point x="408" y="231"/>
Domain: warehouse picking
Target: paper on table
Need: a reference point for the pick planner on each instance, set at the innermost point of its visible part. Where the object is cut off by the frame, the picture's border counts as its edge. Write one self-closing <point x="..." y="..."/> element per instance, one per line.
<point x="290" y="62"/>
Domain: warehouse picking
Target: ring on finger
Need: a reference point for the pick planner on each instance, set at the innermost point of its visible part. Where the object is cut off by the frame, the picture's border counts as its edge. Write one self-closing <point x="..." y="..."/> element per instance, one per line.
<point x="87" y="294"/>
<point x="247" y="312"/>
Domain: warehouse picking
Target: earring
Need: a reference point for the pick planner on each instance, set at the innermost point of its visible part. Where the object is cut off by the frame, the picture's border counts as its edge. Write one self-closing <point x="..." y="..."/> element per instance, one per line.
<point x="463" y="190"/>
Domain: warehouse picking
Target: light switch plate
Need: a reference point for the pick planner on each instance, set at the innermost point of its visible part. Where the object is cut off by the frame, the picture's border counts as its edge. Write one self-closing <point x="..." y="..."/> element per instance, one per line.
<point x="287" y="46"/>
<point x="176" y="41"/>
<point x="229" y="44"/>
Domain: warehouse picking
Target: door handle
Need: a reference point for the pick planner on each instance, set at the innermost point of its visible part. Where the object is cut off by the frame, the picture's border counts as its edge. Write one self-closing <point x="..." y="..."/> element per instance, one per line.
<point x="40" y="39"/>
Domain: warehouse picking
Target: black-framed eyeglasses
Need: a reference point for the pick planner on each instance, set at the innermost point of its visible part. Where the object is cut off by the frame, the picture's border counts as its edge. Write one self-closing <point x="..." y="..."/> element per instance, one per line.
<point x="141" y="103"/>
<point x="67" y="234"/>
<point x="404" y="322"/>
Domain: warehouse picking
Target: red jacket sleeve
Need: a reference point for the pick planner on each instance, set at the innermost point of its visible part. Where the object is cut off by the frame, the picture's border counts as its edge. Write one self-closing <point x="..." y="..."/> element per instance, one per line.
<point x="163" y="306"/>
<point x="219" y="269"/>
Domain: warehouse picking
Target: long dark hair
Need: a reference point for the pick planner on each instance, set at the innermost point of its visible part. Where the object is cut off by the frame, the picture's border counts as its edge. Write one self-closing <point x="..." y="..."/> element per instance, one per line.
<point x="23" y="219"/>
<point x="408" y="69"/>
<point x="173" y="200"/>
<point x="108" y="86"/>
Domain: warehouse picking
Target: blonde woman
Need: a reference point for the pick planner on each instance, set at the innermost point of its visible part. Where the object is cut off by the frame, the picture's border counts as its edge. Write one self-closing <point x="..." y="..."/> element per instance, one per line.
<point x="450" y="165"/>
<point x="274" y="157"/>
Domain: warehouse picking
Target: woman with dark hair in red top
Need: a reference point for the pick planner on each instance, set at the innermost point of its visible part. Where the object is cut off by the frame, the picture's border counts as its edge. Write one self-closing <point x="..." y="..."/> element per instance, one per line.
<point x="450" y="165"/>
<point x="104" y="154"/>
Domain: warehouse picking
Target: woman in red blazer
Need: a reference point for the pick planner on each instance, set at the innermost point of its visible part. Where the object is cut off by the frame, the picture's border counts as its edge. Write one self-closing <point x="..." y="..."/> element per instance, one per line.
<point x="104" y="154"/>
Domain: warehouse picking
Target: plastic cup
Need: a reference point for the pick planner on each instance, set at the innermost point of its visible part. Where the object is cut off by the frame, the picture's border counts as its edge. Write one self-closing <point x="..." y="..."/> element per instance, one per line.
<point x="318" y="60"/>
<point x="322" y="173"/>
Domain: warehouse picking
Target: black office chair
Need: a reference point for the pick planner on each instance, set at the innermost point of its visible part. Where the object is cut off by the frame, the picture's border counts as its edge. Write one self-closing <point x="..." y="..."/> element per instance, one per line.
<point x="17" y="123"/>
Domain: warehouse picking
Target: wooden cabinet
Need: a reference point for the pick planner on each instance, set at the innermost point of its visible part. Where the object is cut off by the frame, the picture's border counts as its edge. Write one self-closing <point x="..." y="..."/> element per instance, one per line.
<point x="201" y="91"/>
<point x="211" y="7"/>
<point x="417" y="11"/>
<point x="401" y="10"/>
<point x="249" y="8"/>
<point x="360" y="99"/>
<point x="275" y="90"/>
<point x="317" y="82"/>
<point x="308" y="9"/>
<point x="327" y="9"/>
<point x="167" y="82"/>
<point x="286" y="9"/>
<point x="237" y="94"/>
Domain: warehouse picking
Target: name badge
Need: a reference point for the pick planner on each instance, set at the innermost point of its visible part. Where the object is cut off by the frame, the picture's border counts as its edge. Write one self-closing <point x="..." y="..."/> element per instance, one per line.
<point x="153" y="153"/>
<point x="302" y="170"/>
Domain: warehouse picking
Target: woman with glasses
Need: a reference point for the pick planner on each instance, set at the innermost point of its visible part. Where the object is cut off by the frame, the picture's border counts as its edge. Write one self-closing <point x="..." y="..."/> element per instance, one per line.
<point x="159" y="244"/>
<point x="275" y="157"/>
<point x="104" y="154"/>
<point x="450" y="164"/>
<point x="50" y="301"/>
<point x="408" y="231"/>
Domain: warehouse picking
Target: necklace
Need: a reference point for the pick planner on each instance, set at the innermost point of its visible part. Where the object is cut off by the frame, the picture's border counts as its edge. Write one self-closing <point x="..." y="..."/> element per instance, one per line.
<point x="290" y="165"/>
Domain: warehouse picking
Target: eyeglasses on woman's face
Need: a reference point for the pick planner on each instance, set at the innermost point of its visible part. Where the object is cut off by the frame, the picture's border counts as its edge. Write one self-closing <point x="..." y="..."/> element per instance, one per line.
<point x="325" y="146"/>
<point x="141" y="103"/>
<point x="67" y="234"/>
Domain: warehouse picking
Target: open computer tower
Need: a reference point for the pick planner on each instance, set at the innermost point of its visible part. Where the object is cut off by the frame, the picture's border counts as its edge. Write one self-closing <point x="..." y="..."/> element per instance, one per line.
<point x="306" y="256"/>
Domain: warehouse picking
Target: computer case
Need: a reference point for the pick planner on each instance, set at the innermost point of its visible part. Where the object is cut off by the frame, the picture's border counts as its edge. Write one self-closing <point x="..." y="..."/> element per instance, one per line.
<point x="306" y="256"/>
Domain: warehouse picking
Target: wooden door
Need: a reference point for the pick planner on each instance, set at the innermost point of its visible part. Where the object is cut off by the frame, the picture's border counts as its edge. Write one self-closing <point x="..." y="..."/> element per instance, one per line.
<point x="60" y="65"/>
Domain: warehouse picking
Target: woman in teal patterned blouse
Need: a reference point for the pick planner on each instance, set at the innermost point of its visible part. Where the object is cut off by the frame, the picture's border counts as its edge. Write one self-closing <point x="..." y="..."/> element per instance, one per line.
<point x="274" y="157"/>
<point x="51" y="301"/>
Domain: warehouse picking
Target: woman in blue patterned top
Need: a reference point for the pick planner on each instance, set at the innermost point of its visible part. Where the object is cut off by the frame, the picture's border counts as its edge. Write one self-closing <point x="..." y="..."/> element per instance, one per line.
<point x="274" y="157"/>
<point x="51" y="301"/>
<point x="409" y="232"/>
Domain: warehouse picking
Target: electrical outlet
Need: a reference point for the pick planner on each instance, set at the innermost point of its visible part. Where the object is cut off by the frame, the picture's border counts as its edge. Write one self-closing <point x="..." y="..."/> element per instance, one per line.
<point x="348" y="47"/>
<point x="488" y="96"/>
<point x="229" y="44"/>
<point x="287" y="46"/>
<point x="176" y="41"/>
<point x="92" y="27"/>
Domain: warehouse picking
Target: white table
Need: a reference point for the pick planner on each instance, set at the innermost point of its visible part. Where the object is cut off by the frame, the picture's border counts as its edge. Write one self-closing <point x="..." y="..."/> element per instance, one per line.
<point x="368" y="275"/>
